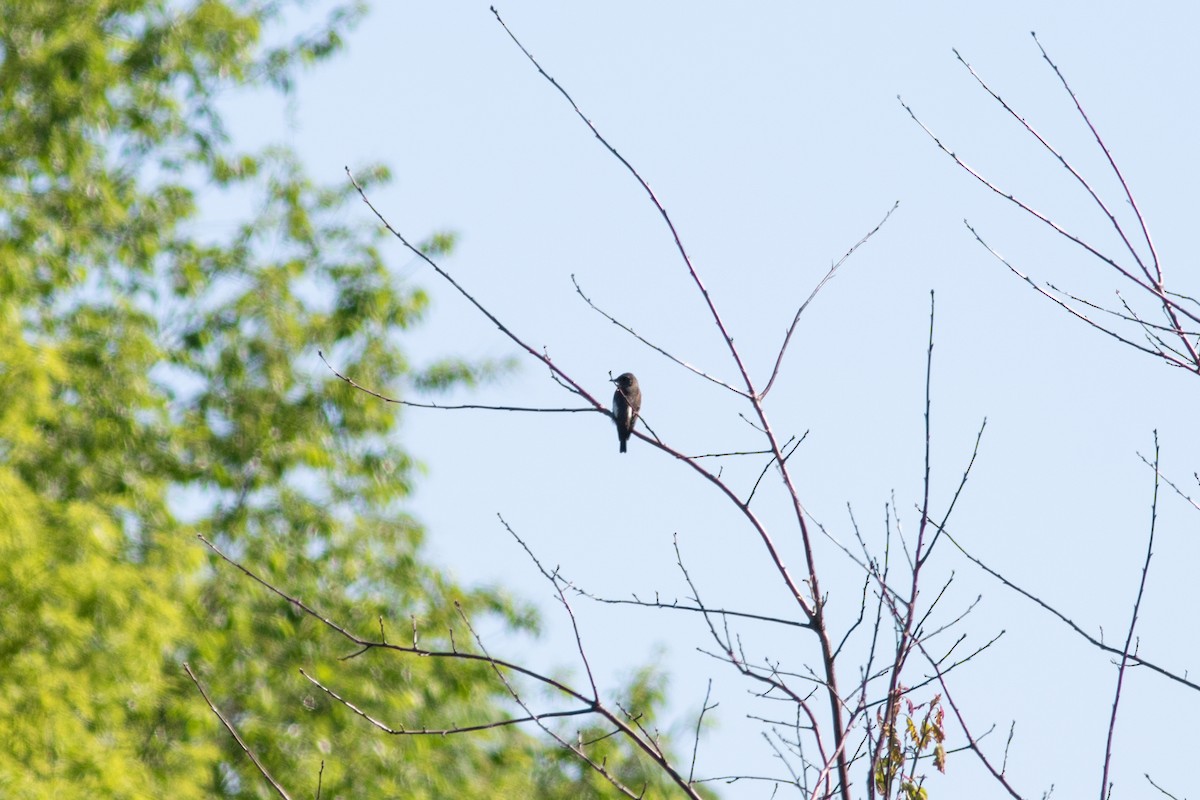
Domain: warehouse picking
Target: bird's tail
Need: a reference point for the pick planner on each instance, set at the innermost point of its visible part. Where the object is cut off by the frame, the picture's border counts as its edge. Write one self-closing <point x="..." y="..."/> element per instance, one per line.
<point x="622" y="445"/>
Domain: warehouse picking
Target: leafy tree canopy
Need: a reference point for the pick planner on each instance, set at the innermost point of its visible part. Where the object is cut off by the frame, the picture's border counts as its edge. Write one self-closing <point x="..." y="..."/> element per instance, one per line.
<point x="156" y="383"/>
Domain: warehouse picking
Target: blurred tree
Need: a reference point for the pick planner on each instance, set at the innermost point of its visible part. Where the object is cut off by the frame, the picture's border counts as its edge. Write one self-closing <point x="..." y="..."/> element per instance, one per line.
<point x="155" y="383"/>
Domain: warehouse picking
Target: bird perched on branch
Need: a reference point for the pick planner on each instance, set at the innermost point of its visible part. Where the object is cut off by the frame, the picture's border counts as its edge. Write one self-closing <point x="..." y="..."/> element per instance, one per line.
<point x="627" y="402"/>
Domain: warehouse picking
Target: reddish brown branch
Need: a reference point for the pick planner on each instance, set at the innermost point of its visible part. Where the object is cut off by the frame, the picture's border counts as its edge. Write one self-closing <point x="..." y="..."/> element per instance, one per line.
<point x="972" y="741"/>
<point x="1111" y="161"/>
<point x="1061" y="160"/>
<point x="662" y="211"/>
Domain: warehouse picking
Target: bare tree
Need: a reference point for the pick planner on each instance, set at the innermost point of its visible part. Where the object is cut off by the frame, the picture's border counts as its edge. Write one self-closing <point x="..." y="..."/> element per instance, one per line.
<point x="860" y="708"/>
<point x="1151" y="318"/>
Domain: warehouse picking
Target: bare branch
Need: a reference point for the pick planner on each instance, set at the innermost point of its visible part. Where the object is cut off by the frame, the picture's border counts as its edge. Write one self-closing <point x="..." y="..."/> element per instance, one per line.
<point x="444" y="407"/>
<point x="1024" y="206"/>
<point x="1168" y="482"/>
<point x="1161" y="789"/>
<point x="651" y="345"/>
<point x="453" y="729"/>
<point x="558" y="373"/>
<point x="558" y="588"/>
<point x="236" y="737"/>
<point x="1133" y="657"/>
<point x="367" y="644"/>
<point x="1111" y="162"/>
<point x="1151" y="278"/>
<point x="653" y="199"/>
<point x="906" y="634"/>
<point x="1105" y="788"/>
<point x="704" y="709"/>
<point x="1067" y="307"/>
<point x="1066" y="164"/>
<point x="512" y="691"/>
<point x="958" y="492"/>
<point x="786" y="456"/>
<point x="820" y="284"/>
<point x="675" y="605"/>
<point x="972" y="741"/>
<point x="1131" y="316"/>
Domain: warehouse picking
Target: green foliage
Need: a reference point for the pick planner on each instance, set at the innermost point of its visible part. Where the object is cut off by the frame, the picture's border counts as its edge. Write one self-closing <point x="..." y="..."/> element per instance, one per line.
<point x="906" y="740"/>
<point x="155" y="383"/>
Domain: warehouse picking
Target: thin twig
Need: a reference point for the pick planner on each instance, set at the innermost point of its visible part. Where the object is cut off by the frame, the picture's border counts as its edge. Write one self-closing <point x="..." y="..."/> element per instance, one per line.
<point x="651" y="345"/>
<point x="820" y="284"/>
<point x="1021" y="204"/>
<point x="558" y="588"/>
<point x="972" y="741"/>
<point x="1156" y="786"/>
<point x="448" y="731"/>
<point x="1134" y="657"/>
<point x="1061" y="159"/>
<point x="1168" y="482"/>
<point x="600" y="768"/>
<point x="958" y="492"/>
<point x="675" y="605"/>
<point x="704" y="708"/>
<point x="1111" y="161"/>
<point x="1137" y="604"/>
<point x="1067" y="307"/>
<point x="687" y="260"/>
<point x="441" y="406"/>
<point x="786" y="456"/>
<point x="236" y="737"/>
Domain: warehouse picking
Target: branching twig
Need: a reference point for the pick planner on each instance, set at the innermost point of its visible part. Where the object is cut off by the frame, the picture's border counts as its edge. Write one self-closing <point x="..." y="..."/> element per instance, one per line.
<point x="1168" y="482"/>
<point x="687" y="260"/>
<point x="972" y="741"/>
<point x="675" y="605"/>
<point x="558" y="588"/>
<point x="1066" y="306"/>
<point x="704" y="709"/>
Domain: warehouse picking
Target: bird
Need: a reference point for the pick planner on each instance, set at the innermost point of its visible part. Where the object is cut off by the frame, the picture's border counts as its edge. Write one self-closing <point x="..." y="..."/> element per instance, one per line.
<point x="627" y="402"/>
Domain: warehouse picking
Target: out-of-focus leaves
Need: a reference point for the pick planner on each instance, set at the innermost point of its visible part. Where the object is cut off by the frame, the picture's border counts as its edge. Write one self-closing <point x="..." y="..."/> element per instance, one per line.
<point x="158" y="379"/>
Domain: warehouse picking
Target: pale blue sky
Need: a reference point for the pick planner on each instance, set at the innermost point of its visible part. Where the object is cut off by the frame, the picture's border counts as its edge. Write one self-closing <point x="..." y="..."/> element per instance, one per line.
<point x="772" y="134"/>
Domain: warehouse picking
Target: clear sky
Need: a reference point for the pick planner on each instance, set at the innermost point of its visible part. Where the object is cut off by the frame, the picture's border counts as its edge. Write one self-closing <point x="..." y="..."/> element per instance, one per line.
<point x="773" y="135"/>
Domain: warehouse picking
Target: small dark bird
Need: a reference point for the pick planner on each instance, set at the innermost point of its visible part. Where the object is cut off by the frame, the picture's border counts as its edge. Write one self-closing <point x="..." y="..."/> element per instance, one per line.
<point x="627" y="402"/>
